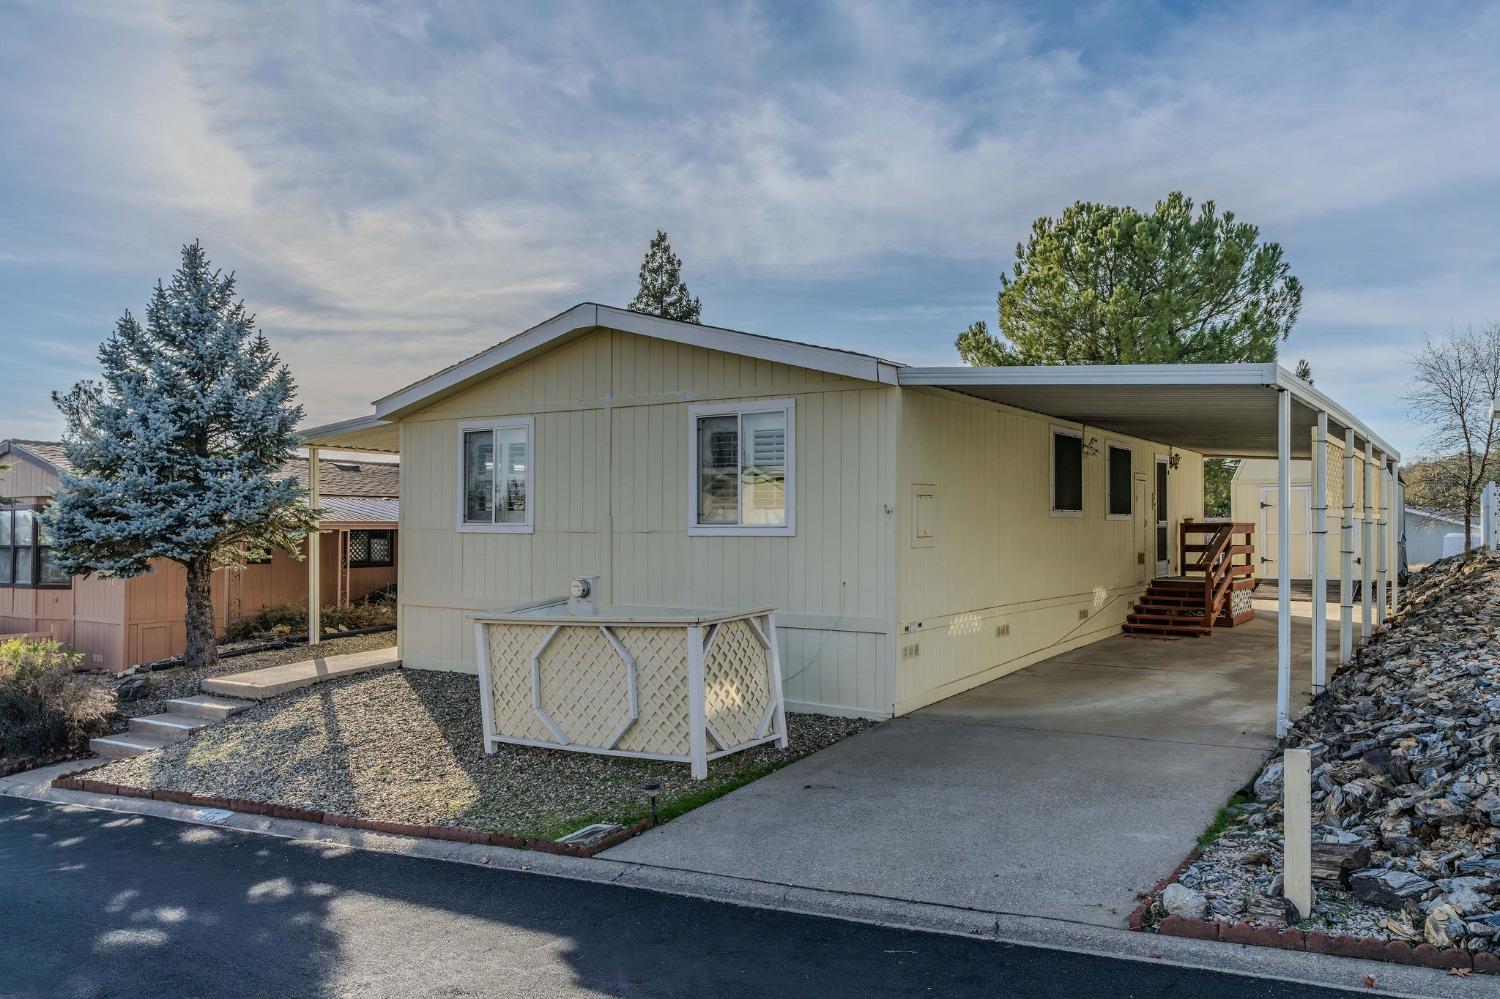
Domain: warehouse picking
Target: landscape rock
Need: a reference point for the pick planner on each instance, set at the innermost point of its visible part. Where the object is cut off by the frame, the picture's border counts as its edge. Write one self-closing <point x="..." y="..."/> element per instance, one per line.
<point x="133" y="688"/>
<point x="1184" y="903"/>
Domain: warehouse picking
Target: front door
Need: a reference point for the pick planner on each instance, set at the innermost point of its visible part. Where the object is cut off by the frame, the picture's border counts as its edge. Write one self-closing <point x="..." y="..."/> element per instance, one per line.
<point x="1159" y="504"/>
<point x="1145" y="514"/>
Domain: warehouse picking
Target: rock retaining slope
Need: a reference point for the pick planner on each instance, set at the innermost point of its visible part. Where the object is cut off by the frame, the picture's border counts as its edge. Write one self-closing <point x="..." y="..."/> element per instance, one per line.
<point x="1406" y="784"/>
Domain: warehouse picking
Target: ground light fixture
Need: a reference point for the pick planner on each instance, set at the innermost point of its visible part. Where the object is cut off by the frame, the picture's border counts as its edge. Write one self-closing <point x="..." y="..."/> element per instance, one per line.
<point x="653" y="788"/>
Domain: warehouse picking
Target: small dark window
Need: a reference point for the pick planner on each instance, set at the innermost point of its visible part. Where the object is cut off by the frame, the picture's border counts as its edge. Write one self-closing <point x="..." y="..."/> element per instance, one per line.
<point x="1120" y="481"/>
<point x="370" y="549"/>
<point x="26" y="556"/>
<point x="7" y="549"/>
<point x="1067" y="472"/>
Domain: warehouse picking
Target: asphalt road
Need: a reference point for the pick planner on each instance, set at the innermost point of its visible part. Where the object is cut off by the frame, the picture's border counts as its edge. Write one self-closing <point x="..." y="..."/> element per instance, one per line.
<point x="95" y="903"/>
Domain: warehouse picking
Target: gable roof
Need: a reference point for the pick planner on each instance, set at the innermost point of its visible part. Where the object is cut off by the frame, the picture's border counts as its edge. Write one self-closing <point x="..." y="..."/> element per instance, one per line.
<point x="1442" y="516"/>
<point x="336" y="476"/>
<point x="590" y="315"/>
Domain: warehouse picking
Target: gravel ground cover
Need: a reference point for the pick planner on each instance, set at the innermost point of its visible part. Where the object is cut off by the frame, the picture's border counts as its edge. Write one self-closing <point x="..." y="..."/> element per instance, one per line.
<point x="1405" y="745"/>
<point x="179" y="681"/>
<point x="404" y="746"/>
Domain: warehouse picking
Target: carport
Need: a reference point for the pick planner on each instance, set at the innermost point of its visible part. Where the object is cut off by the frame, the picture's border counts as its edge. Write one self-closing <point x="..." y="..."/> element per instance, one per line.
<point x="1236" y="411"/>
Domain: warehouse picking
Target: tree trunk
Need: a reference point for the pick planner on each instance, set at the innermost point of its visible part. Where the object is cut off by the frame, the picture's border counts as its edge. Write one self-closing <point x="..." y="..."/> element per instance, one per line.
<point x="201" y="648"/>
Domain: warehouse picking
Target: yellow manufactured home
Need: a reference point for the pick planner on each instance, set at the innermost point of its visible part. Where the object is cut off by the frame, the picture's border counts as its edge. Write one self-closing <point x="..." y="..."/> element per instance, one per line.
<point x="915" y="540"/>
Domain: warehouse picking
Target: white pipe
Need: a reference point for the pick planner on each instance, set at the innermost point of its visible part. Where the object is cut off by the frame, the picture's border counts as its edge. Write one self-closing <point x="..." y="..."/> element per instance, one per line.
<point x="1346" y="557"/>
<point x="1396" y="532"/>
<point x="1283" y="563"/>
<point x="1320" y="555"/>
<point x="1367" y="548"/>
<point x="314" y="576"/>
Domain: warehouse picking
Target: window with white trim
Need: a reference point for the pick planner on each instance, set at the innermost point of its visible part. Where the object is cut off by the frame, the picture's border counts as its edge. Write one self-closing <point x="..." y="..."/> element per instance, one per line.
<point x="1067" y="472"/>
<point x="496" y="477"/>
<point x="1121" y="481"/>
<point x="742" y="466"/>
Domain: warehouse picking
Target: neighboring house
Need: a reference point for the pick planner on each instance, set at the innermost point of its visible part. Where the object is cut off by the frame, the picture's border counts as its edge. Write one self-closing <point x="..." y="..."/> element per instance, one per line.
<point x="1426" y="529"/>
<point x="1253" y="500"/>
<point x="919" y="531"/>
<point x="117" y="623"/>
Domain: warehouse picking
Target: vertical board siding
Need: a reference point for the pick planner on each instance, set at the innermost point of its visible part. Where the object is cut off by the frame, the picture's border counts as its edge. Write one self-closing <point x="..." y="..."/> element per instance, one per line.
<point x="612" y="499"/>
<point x="1000" y="559"/>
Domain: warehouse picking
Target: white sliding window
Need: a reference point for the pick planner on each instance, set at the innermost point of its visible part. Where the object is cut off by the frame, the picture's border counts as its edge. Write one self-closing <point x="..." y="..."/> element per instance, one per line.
<point x="742" y="468"/>
<point x="496" y="477"/>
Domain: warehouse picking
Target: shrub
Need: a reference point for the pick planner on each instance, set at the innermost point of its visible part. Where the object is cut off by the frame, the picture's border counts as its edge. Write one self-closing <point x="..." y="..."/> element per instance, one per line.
<point x="44" y="705"/>
<point x="283" y="620"/>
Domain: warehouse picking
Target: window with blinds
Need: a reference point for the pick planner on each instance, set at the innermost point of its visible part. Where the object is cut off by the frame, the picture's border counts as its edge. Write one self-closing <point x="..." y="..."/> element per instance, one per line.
<point x="742" y="470"/>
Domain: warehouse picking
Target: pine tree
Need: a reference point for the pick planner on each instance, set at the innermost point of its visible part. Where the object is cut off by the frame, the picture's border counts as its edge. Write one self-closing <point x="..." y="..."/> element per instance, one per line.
<point x="662" y="291"/>
<point x="178" y="452"/>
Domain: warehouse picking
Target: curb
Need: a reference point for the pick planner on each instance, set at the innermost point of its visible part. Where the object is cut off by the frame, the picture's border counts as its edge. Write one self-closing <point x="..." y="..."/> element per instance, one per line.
<point x="76" y="781"/>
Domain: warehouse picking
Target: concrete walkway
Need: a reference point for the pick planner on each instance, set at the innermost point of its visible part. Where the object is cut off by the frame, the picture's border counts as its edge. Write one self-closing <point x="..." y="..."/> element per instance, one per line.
<point x="259" y="684"/>
<point x="1060" y="791"/>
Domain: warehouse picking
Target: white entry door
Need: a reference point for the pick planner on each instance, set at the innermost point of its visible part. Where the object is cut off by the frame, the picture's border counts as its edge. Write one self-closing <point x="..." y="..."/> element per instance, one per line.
<point x="1298" y="524"/>
<point x="1163" y="523"/>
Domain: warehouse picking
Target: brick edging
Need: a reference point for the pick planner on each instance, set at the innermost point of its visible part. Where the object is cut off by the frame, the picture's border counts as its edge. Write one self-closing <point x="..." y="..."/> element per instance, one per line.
<point x="1312" y="941"/>
<point x="76" y="781"/>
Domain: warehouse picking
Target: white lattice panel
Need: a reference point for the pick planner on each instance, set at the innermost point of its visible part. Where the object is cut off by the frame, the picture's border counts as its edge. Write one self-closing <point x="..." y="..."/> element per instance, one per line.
<point x="585" y="687"/>
<point x="510" y="650"/>
<point x="661" y="688"/>
<point x="736" y="685"/>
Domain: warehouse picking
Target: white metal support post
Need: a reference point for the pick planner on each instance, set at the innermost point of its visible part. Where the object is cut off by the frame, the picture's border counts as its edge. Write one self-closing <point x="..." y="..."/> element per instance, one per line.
<point x="1383" y="528"/>
<point x="1320" y="557"/>
<point x="1283" y="563"/>
<point x="314" y="564"/>
<point x="1397" y="532"/>
<point x="697" y="706"/>
<point x="1346" y="557"/>
<point x="1367" y="548"/>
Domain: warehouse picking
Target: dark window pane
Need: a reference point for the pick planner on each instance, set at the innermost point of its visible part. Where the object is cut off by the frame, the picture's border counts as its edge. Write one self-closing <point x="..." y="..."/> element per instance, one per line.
<point x="1120" y="481"/>
<point x="49" y="573"/>
<point x="1067" y="473"/>
<point x="5" y="517"/>
<point x="718" y="470"/>
<point x="479" y="477"/>
<point x="380" y="547"/>
<point x="7" y="557"/>
<point x="359" y="546"/>
<point x="23" y="566"/>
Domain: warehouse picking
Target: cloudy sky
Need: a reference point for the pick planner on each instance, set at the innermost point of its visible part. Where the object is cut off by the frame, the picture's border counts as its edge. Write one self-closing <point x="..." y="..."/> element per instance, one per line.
<point x="397" y="186"/>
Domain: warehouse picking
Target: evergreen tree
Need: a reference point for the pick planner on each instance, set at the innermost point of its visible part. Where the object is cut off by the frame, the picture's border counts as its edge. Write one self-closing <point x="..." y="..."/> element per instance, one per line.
<point x="1110" y="285"/>
<point x="662" y="291"/>
<point x="178" y="452"/>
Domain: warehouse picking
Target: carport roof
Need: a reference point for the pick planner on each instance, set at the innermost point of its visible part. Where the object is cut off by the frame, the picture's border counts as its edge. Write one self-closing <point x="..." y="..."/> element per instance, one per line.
<point x="1222" y="410"/>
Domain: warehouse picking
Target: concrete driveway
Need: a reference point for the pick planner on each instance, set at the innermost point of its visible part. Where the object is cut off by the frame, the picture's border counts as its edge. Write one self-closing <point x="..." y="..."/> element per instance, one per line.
<point x="1061" y="790"/>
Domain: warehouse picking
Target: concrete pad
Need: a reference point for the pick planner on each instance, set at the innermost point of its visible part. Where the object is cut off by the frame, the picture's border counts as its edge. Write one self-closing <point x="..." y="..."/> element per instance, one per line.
<point x="1060" y="791"/>
<point x="259" y="684"/>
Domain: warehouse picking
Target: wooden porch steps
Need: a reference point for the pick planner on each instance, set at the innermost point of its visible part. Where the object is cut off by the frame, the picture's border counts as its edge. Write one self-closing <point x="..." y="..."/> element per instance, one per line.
<point x="1193" y="605"/>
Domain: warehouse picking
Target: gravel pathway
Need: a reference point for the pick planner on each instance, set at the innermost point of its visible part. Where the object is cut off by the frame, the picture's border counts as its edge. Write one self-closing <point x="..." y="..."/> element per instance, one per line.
<point x="404" y="746"/>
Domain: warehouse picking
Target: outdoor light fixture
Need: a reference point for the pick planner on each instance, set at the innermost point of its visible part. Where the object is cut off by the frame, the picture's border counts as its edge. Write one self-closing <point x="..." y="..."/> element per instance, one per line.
<point x="652" y="787"/>
<point x="1173" y="460"/>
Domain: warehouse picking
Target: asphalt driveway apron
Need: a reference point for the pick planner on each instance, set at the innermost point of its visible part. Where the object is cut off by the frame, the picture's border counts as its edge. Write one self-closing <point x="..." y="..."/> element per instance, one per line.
<point x="1062" y="790"/>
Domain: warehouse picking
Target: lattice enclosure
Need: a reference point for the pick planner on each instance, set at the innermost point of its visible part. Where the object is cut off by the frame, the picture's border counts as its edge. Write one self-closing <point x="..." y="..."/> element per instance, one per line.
<point x="572" y="675"/>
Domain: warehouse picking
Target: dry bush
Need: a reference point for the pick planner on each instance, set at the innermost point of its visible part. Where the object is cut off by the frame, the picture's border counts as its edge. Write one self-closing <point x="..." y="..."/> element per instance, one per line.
<point x="46" y="707"/>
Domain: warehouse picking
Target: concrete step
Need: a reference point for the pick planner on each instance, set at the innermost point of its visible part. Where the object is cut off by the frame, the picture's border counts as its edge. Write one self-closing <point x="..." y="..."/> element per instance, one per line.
<point x="214" y="707"/>
<point x="260" y="684"/>
<point x="125" y="745"/>
<point x="168" y="727"/>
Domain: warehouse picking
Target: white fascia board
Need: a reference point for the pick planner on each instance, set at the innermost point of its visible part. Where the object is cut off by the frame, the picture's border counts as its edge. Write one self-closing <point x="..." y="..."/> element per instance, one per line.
<point x="354" y="425"/>
<point x="1315" y="400"/>
<point x="588" y="316"/>
<point x="1094" y="374"/>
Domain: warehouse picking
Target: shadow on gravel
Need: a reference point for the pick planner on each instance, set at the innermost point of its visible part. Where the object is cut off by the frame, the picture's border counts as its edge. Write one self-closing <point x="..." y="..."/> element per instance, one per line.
<point x="100" y="904"/>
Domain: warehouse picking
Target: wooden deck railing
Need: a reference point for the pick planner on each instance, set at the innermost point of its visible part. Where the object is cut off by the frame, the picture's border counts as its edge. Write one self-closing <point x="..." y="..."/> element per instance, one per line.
<point x="1215" y="555"/>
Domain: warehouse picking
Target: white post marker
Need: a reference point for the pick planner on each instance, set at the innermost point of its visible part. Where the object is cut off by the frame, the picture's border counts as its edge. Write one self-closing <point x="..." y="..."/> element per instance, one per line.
<point x="1283" y="563"/>
<point x="314" y="566"/>
<point x="1367" y="548"/>
<point x="1346" y="557"/>
<point x="1296" y="809"/>
<point x="1320" y="557"/>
